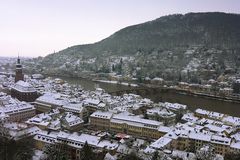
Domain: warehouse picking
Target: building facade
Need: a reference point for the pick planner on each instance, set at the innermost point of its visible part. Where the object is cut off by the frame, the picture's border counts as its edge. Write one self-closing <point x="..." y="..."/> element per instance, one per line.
<point x="24" y="91"/>
<point x="132" y="125"/>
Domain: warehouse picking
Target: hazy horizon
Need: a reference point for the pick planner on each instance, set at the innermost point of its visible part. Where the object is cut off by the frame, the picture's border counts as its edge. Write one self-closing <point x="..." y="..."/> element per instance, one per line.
<point x="37" y="28"/>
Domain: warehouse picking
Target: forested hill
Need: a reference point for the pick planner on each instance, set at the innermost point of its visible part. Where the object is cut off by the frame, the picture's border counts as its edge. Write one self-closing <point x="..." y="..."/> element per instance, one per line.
<point x="217" y="29"/>
<point x="173" y="32"/>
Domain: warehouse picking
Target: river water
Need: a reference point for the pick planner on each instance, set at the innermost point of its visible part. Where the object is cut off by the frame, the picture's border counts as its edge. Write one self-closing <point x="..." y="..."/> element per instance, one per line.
<point x="193" y="102"/>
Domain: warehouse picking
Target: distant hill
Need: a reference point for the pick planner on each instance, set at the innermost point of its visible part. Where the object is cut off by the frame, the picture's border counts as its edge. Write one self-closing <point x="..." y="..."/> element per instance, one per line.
<point x="214" y="29"/>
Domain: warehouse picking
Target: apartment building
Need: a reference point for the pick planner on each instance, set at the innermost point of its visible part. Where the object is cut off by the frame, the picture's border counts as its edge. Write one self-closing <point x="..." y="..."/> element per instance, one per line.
<point x="72" y="142"/>
<point x="18" y="112"/>
<point x="49" y="101"/>
<point x="129" y="124"/>
<point x="100" y="120"/>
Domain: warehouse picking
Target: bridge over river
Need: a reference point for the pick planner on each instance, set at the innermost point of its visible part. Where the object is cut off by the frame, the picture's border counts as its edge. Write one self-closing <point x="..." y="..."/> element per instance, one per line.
<point x="143" y="91"/>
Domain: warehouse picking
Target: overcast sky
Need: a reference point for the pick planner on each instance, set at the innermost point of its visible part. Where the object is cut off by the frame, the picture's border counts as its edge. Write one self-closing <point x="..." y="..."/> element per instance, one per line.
<point x="38" y="27"/>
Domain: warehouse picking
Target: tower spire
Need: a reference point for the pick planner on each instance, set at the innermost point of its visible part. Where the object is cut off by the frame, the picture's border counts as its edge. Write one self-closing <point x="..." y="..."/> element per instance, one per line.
<point x="18" y="60"/>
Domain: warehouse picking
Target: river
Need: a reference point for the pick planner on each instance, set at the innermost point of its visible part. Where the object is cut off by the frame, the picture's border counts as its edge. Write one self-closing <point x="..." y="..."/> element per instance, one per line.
<point x="192" y="102"/>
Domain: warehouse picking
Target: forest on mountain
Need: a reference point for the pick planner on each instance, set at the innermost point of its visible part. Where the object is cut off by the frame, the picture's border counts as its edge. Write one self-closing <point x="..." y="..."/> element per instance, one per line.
<point x="174" y="42"/>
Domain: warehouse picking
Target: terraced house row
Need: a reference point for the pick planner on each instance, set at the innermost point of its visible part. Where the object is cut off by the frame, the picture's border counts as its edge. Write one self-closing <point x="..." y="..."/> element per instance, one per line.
<point x="193" y="138"/>
<point x="190" y="136"/>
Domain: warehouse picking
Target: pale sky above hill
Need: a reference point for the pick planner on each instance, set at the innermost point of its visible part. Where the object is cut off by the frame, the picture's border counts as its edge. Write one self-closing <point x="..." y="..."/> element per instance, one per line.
<point x="40" y="27"/>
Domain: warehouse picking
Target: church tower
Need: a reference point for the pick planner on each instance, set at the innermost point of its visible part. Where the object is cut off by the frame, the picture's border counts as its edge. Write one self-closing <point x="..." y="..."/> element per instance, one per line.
<point x="19" y="75"/>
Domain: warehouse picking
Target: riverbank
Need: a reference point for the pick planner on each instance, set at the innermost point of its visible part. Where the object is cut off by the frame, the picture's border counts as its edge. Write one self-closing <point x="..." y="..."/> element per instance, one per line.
<point x="178" y="91"/>
<point x="191" y="100"/>
<point x="209" y="96"/>
<point x="117" y="82"/>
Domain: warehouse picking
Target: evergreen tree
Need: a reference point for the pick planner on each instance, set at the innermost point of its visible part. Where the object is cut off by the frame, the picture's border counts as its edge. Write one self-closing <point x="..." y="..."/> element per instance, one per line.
<point x="232" y="156"/>
<point x="155" y="155"/>
<point x="131" y="156"/>
<point x="180" y="78"/>
<point x="145" y="116"/>
<point x="191" y="147"/>
<point x="16" y="150"/>
<point x="236" y="87"/>
<point x="113" y="67"/>
<point x="179" y="116"/>
<point x="87" y="153"/>
<point x="56" y="152"/>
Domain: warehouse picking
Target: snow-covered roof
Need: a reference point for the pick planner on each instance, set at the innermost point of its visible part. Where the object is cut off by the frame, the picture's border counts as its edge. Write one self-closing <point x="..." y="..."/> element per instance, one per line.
<point x="220" y="140"/>
<point x="235" y="145"/>
<point x="236" y="136"/>
<point x="189" y="117"/>
<point x="40" y="119"/>
<point x="46" y="136"/>
<point x="55" y="124"/>
<point x="202" y="111"/>
<point x="215" y="115"/>
<point x="232" y="120"/>
<point x="164" y="129"/>
<point x="20" y="130"/>
<point x="215" y="128"/>
<point x="17" y="107"/>
<point x="91" y="101"/>
<point x="161" y="143"/>
<point x="51" y="98"/>
<point x="22" y="86"/>
<point x="63" y="135"/>
<point x="103" y="115"/>
<point x="175" y="106"/>
<point x="90" y="139"/>
<point x="37" y="76"/>
<point x="72" y="119"/>
<point x="200" y="136"/>
<point x="135" y="121"/>
<point x="160" y="111"/>
<point x="108" y="145"/>
<point x="3" y="116"/>
<point x="73" y="107"/>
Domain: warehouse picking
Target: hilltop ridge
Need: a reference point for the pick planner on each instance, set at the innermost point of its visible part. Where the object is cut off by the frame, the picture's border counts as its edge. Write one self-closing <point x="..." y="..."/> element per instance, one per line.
<point x="161" y="43"/>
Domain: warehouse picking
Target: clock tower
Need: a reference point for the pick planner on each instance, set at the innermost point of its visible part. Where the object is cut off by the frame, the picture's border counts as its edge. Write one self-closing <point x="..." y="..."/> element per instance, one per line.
<point x="19" y="75"/>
